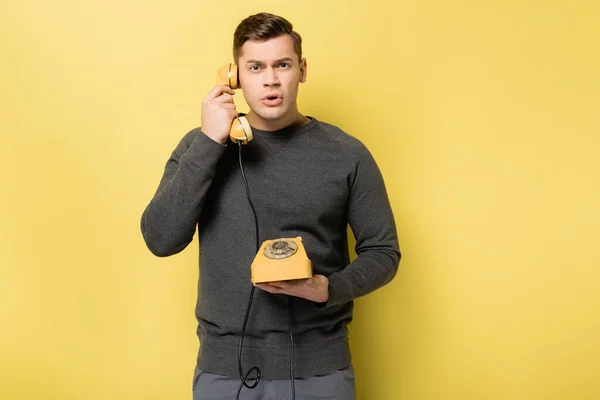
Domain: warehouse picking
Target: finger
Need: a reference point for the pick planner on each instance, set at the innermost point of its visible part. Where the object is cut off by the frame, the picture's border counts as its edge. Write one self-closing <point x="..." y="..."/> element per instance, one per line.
<point x="281" y="284"/>
<point x="217" y="91"/>
<point x="224" y="98"/>
<point x="268" y="288"/>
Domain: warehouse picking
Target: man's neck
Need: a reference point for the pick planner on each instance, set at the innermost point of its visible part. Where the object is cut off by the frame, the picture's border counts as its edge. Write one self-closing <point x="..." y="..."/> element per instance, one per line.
<point x="274" y="125"/>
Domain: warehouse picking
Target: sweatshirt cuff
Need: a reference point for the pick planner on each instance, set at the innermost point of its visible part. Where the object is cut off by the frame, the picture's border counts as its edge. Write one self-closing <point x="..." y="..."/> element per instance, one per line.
<point x="205" y="152"/>
<point x="339" y="292"/>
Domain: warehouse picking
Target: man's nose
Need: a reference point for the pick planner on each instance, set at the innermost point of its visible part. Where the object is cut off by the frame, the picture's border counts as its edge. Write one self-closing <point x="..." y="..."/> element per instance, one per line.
<point x="271" y="78"/>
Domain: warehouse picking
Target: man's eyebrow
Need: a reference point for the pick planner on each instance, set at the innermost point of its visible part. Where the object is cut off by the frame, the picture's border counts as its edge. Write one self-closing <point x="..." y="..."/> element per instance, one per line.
<point x="287" y="59"/>
<point x="284" y="59"/>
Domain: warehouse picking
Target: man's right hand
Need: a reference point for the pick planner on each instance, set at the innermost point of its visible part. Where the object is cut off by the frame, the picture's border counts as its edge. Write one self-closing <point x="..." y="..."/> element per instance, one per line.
<point x="218" y="112"/>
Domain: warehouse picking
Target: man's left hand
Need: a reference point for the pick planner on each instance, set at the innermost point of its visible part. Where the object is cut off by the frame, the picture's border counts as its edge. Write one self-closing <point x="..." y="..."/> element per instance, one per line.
<point x="314" y="289"/>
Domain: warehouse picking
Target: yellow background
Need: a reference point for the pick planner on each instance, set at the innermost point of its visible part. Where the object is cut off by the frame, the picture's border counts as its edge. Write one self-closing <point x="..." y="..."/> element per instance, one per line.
<point x="483" y="116"/>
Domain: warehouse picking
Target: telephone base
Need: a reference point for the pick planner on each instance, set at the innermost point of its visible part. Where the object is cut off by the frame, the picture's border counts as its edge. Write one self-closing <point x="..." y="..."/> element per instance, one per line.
<point x="273" y="267"/>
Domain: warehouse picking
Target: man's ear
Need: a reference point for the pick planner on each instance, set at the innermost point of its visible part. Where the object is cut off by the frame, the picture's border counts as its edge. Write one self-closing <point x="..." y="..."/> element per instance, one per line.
<point x="303" y="70"/>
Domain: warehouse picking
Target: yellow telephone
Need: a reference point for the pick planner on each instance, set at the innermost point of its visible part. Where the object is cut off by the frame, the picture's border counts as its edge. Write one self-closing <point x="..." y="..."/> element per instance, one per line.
<point x="281" y="260"/>
<point x="240" y="128"/>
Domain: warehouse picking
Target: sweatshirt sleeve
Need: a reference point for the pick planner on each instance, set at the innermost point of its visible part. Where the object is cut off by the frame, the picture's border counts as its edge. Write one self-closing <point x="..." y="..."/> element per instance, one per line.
<point x="169" y="221"/>
<point x="372" y="222"/>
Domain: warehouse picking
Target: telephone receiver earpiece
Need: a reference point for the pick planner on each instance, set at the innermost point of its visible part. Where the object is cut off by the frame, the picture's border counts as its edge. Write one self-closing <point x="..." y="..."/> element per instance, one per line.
<point x="240" y="131"/>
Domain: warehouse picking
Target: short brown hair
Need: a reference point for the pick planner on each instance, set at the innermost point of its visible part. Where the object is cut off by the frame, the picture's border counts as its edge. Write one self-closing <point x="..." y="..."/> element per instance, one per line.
<point x="262" y="27"/>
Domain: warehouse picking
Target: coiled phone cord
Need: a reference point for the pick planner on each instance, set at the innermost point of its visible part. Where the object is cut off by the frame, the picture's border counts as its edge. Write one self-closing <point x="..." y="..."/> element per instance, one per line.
<point x="244" y="377"/>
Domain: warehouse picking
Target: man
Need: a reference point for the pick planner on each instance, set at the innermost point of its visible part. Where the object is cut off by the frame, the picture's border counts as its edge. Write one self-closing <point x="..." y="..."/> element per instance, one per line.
<point x="306" y="178"/>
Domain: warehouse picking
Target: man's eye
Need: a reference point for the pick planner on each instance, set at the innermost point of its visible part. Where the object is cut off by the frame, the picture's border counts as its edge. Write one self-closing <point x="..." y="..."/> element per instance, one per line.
<point x="284" y="65"/>
<point x="254" y="68"/>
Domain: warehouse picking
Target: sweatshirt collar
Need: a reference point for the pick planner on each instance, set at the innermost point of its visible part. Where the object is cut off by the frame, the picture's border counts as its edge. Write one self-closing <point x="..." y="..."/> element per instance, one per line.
<point x="289" y="131"/>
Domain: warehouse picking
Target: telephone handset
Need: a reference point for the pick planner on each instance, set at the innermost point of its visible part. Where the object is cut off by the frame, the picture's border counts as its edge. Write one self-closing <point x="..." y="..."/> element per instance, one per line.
<point x="240" y="128"/>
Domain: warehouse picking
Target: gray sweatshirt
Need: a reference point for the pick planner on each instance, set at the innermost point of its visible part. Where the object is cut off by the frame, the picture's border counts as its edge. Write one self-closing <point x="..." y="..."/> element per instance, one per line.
<point x="309" y="181"/>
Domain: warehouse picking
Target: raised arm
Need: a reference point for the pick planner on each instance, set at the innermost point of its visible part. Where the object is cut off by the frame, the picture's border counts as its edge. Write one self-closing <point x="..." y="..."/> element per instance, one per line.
<point x="169" y="221"/>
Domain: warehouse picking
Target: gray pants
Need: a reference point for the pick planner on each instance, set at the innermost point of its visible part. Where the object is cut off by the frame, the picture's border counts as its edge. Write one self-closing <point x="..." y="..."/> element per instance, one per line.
<point x="338" y="385"/>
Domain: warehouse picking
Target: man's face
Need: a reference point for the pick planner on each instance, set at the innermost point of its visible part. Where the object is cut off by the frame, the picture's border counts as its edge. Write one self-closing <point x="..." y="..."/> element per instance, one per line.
<point x="270" y="74"/>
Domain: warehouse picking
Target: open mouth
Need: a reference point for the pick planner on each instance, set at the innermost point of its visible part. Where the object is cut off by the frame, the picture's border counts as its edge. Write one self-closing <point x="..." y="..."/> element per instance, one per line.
<point x="272" y="100"/>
